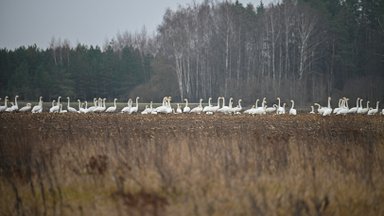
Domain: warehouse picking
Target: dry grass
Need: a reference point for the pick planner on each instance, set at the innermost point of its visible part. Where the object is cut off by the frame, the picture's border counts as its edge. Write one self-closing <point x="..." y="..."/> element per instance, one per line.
<point x="73" y="164"/>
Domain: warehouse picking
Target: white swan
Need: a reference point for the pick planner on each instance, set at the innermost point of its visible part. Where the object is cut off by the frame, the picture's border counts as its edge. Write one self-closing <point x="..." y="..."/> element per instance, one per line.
<point x="365" y="110"/>
<point x="101" y="106"/>
<point x="61" y="109"/>
<point x="56" y="108"/>
<point x="280" y="109"/>
<point x="81" y="109"/>
<point x="112" y="108"/>
<point x="292" y="111"/>
<point x="340" y="104"/>
<point x="261" y="110"/>
<point x="354" y="109"/>
<point x="225" y="109"/>
<point x="328" y="109"/>
<point x="374" y="111"/>
<point x="178" y="109"/>
<point x="250" y="110"/>
<point x="209" y="107"/>
<point x="26" y="108"/>
<point x="14" y="106"/>
<point x="3" y="108"/>
<point x="38" y="108"/>
<point x="343" y="110"/>
<point x="186" y="109"/>
<point x="69" y="108"/>
<point x="92" y="108"/>
<point x="147" y="109"/>
<point x="199" y="108"/>
<point x="238" y="108"/>
<point x="320" y="109"/>
<point x="135" y="108"/>
<point x="271" y="109"/>
<point x="312" y="110"/>
<point x="128" y="107"/>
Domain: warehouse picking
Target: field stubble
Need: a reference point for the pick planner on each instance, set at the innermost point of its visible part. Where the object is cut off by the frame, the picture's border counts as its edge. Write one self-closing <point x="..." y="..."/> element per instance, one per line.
<point x="100" y="164"/>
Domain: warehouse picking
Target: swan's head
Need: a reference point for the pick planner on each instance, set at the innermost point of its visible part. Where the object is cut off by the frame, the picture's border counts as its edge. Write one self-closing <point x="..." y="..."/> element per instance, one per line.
<point x="41" y="97"/>
<point x="278" y="98"/>
<point x="16" y="96"/>
<point x="78" y="100"/>
<point x="59" y="97"/>
<point x="185" y="99"/>
<point x="53" y="101"/>
<point x="137" y="98"/>
<point x="292" y="101"/>
<point x="115" y="99"/>
<point x="209" y="98"/>
<point x="201" y="99"/>
<point x="240" y="100"/>
<point x="28" y="104"/>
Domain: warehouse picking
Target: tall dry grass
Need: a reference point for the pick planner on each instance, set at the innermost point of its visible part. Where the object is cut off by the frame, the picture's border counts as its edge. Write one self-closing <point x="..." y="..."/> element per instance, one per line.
<point x="72" y="164"/>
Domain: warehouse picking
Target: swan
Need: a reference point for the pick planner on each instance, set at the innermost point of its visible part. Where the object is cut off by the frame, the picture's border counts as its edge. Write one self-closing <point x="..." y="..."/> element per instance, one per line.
<point x="312" y="110"/>
<point x="56" y="108"/>
<point x="92" y="108"/>
<point x="3" y="108"/>
<point x="135" y="108"/>
<point x="81" y="109"/>
<point x="10" y="109"/>
<point x="209" y="107"/>
<point x="101" y="106"/>
<point x="69" y="108"/>
<point x="168" y="108"/>
<point x="14" y="106"/>
<point x="280" y="110"/>
<point x="365" y="110"/>
<point x="261" y="110"/>
<point x="26" y="108"/>
<point x="186" y="109"/>
<point x="374" y="111"/>
<point x="292" y="111"/>
<point x="128" y="107"/>
<point x="112" y="108"/>
<point x="340" y="104"/>
<point x="253" y="108"/>
<point x="359" y="109"/>
<point x="225" y="109"/>
<point x="61" y="109"/>
<point x="354" y="109"/>
<point x="343" y="108"/>
<point x="147" y="109"/>
<point x="178" y="110"/>
<point x="163" y="107"/>
<point x="217" y="107"/>
<point x="328" y="109"/>
<point x="38" y="108"/>
<point x="238" y="108"/>
<point x="320" y="109"/>
<point x="199" y="108"/>
<point x="271" y="109"/>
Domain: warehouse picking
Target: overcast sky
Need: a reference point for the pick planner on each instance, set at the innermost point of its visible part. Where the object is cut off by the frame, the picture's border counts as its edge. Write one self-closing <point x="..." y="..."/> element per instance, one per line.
<point x="91" y="22"/>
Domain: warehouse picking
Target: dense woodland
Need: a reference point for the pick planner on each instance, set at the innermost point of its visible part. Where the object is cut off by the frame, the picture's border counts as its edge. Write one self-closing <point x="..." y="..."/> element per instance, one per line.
<point x="296" y="49"/>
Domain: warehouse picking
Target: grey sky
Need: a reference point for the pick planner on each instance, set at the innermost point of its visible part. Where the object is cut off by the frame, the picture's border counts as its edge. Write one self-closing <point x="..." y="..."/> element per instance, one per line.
<point x="28" y="22"/>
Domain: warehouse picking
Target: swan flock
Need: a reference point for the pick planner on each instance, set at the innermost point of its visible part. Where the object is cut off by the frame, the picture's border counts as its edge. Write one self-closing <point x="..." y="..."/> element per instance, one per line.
<point x="99" y="106"/>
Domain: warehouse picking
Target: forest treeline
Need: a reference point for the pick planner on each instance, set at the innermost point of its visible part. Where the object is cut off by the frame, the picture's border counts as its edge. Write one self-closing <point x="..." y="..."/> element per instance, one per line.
<point x="298" y="49"/>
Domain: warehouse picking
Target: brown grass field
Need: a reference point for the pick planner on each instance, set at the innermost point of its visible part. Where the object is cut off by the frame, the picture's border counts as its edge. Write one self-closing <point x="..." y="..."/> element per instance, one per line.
<point x="100" y="164"/>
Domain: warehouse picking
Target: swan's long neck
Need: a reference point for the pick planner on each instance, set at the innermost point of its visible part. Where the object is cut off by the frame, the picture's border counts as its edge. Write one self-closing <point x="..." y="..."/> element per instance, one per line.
<point x="377" y="105"/>
<point x="279" y="101"/>
<point x="361" y="103"/>
<point x="186" y="102"/>
<point x="150" y="105"/>
<point x="230" y="103"/>
<point x="257" y="101"/>
<point x="86" y="105"/>
<point x="15" y="101"/>
<point x="58" y="100"/>
<point x="357" y="102"/>
<point x="79" y="104"/>
<point x="367" y="104"/>
<point x="218" y="101"/>
<point x="68" y="102"/>
<point x="239" y="103"/>
<point x="209" y="101"/>
<point x="200" y="104"/>
<point x="293" y="104"/>
<point x="329" y="102"/>
<point x="223" y="101"/>
<point x="95" y="102"/>
<point x="137" y="102"/>
<point x="114" y="103"/>
<point x="5" y="102"/>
